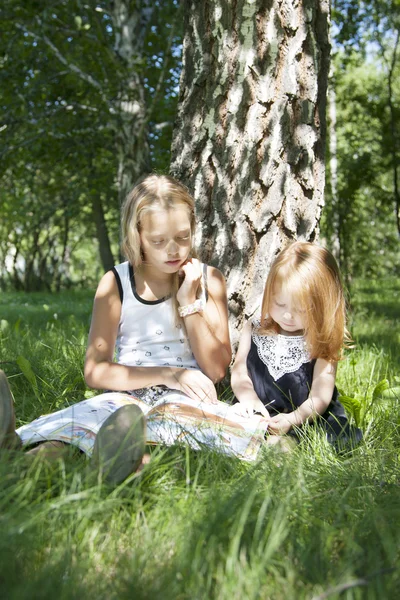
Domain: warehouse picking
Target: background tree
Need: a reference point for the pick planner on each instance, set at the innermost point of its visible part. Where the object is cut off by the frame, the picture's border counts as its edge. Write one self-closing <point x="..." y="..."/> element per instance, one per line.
<point x="361" y="214"/>
<point x="86" y="90"/>
<point x="250" y="133"/>
<point x="251" y="126"/>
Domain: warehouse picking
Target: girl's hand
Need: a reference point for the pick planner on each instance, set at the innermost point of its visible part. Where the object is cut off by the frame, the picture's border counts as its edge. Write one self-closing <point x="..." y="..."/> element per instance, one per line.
<point x="249" y="406"/>
<point x="195" y="384"/>
<point x="241" y="382"/>
<point x="191" y="273"/>
<point x="280" y="424"/>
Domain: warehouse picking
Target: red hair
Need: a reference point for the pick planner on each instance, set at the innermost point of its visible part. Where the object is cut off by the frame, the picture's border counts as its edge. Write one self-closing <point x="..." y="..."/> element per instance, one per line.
<point x="310" y="274"/>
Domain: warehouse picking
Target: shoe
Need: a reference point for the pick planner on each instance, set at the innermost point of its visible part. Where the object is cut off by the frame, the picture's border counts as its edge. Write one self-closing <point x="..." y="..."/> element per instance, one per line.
<point x="120" y="444"/>
<point x="8" y="436"/>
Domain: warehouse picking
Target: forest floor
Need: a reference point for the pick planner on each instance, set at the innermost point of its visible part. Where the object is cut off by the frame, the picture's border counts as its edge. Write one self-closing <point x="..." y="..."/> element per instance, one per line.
<point x="311" y="524"/>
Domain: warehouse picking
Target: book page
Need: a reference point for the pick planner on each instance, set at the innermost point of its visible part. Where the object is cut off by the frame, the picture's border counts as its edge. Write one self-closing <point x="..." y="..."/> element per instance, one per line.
<point x="176" y="418"/>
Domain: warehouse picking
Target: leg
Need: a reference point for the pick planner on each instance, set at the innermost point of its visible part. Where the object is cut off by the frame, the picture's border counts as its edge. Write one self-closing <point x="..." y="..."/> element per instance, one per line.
<point x="118" y="449"/>
<point x="120" y="443"/>
<point x="8" y="437"/>
<point x="145" y="461"/>
<point x="51" y="451"/>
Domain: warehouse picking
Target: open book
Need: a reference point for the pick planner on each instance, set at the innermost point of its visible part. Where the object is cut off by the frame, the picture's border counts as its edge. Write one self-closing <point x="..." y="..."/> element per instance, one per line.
<point x="174" y="418"/>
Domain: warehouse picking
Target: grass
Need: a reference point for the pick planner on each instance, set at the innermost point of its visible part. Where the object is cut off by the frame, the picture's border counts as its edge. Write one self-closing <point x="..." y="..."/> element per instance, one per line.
<point x="309" y="525"/>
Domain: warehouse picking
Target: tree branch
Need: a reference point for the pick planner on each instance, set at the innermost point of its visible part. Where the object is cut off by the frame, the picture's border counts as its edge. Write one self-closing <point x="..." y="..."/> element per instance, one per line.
<point x="72" y="67"/>
<point x="162" y="74"/>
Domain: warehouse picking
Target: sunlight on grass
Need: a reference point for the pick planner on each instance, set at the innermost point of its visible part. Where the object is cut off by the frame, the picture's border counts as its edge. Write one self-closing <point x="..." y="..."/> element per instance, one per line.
<point x="307" y="525"/>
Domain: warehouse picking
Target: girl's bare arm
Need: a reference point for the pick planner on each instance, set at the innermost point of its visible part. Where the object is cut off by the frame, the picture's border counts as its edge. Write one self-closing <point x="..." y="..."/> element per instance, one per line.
<point x="241" y="383"/>
<point x="321" y="393"/>
<point x="208" y="332"/>
<point x="102" y="373"/>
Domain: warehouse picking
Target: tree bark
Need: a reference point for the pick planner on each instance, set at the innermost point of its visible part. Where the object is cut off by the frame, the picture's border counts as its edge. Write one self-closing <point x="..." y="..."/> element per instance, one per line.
<point x="249" y="139"/>
<point x="393" y="134"/>
<point x="333" y="164"/>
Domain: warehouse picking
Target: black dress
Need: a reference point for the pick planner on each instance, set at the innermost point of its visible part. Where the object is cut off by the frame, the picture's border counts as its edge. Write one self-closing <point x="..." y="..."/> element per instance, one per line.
<point x="282" y="373"/>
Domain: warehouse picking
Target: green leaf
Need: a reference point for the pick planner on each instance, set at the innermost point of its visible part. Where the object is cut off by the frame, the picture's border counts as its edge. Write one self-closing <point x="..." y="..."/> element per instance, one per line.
<point x="391" y="393"/>
<point x="380" y="387"/>
<point x="17" y="326"/>
<point x="27" y="371"/>
<point x="352" y="407"/>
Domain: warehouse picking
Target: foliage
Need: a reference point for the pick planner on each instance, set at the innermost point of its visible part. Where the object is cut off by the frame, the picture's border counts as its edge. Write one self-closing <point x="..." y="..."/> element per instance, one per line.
<point x="61" y="79"/>
<point x="311" y="524"/>
<point x="361" y="219"/>
<point x="375" y="387"/>
<point x="60" y="87"/>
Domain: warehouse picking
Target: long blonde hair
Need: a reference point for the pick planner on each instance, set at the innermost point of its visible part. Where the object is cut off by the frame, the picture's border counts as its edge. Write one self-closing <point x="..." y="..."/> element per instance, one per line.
<point x="154" y="191"/>
<point x="309" y="273"/>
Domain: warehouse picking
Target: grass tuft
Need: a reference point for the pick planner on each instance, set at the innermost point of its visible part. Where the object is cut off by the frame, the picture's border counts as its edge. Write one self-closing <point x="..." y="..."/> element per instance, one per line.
<point x="308" y="525"/>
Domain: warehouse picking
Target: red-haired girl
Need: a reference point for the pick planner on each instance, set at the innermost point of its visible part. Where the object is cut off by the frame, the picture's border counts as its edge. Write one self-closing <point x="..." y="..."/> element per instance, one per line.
<point x="285" y="367"/>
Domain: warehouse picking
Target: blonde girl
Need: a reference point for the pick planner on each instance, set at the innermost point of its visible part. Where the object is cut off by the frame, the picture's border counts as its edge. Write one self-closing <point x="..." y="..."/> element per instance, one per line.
<point x="159" y="322"/>
<point x="286" y="363"/>
<point x="163" y="310"/>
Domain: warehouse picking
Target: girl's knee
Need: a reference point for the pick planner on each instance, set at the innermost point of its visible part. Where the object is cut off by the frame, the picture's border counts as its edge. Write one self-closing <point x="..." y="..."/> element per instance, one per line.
<point x="51" y="450"/>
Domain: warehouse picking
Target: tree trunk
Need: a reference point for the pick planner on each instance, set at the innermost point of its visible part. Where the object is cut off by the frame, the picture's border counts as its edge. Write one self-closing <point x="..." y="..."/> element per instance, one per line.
<point x="250" y="134"/>
<point x="333" y="163"/>
<point x="130" y="20"/>
<point x="62" y="270"/>
<point x="393" y="134"/>
<point x="106" y="255"/>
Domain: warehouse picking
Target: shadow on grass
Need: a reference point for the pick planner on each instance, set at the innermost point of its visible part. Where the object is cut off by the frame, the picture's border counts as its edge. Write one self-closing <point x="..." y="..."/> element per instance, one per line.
<point x="389" y="310"/>
<point x="376" y="317"/>
<point x="37" y="308"/>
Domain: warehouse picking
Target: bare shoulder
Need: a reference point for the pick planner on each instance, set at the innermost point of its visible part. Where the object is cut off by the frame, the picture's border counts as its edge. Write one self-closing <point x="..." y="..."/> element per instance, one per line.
<point x="247" y="327"/>
<point x="215" y="281"/>
<point x="217" y="306"/>
<point x="104" y="326"/>
<point x="243" y="348"/>
<point x="107" y="301"/>
<point x="323" y="382"/>
<point x="245" y="337"/>
<point x="325" y="368"/>
<point x="246" y="330"/>
<point x="214" y="273"/>
<point x="107" y="285"/>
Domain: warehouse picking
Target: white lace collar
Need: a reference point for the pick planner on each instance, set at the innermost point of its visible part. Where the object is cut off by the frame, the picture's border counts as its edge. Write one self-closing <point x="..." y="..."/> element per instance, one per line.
<point x="280" y="353"/>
